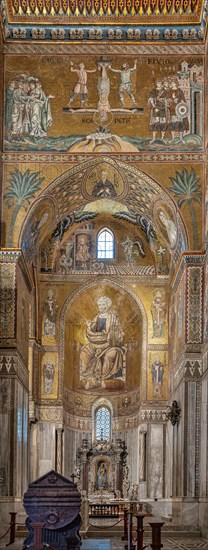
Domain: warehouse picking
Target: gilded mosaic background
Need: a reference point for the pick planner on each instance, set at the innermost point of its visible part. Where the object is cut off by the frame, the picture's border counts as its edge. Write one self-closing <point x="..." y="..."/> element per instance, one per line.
<point x="104" y="103"/>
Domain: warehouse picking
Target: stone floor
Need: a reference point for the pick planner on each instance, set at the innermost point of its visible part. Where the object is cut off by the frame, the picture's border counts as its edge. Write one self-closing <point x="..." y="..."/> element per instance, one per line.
<point x="115" y="543"/>
<point x="168" y="544"/>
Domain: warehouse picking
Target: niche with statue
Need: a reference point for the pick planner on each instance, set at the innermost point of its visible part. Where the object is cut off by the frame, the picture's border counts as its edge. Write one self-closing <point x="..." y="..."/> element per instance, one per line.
<point x="102" y="469"/>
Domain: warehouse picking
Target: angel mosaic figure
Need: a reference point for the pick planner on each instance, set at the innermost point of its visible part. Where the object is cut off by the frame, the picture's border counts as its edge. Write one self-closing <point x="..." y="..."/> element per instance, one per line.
<point x="132" y="247"/>
<point x="139" y="220"/>
<point x="170" y="227"/>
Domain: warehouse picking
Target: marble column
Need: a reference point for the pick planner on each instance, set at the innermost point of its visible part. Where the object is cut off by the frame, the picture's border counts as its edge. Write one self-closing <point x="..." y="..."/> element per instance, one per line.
<point x="15" y="289"/>
<point x="142" y="453"/>
<point x="155" y="461"/>
<point x="59" y="450"/>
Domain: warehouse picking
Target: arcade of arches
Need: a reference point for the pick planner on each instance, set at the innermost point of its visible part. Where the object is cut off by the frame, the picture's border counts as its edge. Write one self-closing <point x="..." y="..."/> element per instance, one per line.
<point x="103" y="259"/>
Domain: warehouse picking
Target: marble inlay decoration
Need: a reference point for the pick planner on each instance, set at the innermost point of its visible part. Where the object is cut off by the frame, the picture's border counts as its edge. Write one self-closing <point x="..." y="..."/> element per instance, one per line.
<point x="194" y="304"/>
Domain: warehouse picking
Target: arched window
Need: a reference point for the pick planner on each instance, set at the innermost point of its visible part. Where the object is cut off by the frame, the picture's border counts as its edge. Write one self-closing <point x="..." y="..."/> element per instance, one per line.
<point x="105" y="244"/>
<point x="102" y="424"/>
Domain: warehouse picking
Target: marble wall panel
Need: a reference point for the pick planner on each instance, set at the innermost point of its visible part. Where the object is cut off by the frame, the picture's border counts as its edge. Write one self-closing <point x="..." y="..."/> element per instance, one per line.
<point x="47" y="447"/>
<point x="25" y="442"/>
<point x="132" y="442"/>
<point x="5" y="455"/>
<point x="19" y="438"/>
<point x="21" y="452"/>
<point x="155" y="461"/>
<point x="22" y="308"/>
<point x="34" y="452"/>
<point x="72" y="440"/>
<point x="191" y="442"/>
<point x="204" y="439"/>
<point x="169" y="460"/>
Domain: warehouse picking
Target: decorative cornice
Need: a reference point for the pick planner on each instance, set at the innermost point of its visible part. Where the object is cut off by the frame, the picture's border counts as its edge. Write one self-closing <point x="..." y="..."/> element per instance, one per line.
<point x="188" y="368"/>
<point x="79" y="278"/>
<point x="18" y="31"/>
<point x="194" y="258"/>
<point x="50" y="413"/>
<point x="157" y="12"/>
<point x="152" y="415"/>
<point x="103" y="49"/>
<point x="103" y="20"/>
<point x="16" y="255"/>
<point x="77" y="423"/>
<point x="12" y="366"/>
<point x="158" y="347"/>
<point x="68" y="158"/>
<point x="80" y="403"/>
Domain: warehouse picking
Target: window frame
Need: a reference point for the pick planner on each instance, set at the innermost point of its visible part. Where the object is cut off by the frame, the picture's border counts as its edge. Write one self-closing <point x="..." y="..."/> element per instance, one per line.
<point x="98" y="403"/>
<point x="103" y="406"/>
<point x="107" y="229"/>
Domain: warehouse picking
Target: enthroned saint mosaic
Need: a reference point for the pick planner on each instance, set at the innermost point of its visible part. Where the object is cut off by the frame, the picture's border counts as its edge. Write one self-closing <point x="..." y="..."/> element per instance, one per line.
<point x="103" y="357"/>
<point x="103" y="338"/>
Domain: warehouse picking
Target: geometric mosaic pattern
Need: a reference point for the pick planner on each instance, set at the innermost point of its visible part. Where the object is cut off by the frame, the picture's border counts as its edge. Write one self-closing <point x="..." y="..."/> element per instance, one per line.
<point x="168" y="544"/>
<point x="186" y="544"/>
<point x="106" y="7"/>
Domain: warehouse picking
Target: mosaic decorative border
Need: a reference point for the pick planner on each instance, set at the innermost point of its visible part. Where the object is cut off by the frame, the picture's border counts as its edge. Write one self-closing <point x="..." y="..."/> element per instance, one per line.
<point x="18" y="157"/>
<point x="103" y="49"/>
<point x="188" y="11"/>
<point x="7" y="299"/>
<point x="194" y="323"/>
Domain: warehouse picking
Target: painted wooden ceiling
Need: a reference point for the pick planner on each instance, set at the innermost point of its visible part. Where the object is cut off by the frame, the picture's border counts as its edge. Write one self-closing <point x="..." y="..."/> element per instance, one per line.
<point x="104" y="20"/>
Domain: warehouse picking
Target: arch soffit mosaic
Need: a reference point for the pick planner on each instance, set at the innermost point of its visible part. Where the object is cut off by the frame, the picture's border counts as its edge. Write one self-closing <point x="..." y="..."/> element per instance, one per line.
<point x="140" y="194"/>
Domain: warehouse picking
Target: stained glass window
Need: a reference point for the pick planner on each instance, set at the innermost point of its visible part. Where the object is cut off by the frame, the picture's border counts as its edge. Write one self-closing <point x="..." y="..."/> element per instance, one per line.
<point x="103" y="424"/>
<point x="105" y="244"/>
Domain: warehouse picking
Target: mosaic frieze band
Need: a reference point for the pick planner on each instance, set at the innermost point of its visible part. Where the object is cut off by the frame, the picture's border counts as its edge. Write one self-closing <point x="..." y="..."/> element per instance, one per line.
<point x="12" y="366"/>
<point x="195" y="304"/>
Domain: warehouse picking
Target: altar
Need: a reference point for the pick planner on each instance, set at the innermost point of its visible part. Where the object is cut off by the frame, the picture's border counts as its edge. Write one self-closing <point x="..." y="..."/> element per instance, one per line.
<point x="103" y="472"/>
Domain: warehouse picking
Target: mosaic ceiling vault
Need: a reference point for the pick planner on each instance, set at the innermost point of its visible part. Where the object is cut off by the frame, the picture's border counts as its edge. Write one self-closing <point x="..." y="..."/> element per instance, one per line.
<point x="104" y="20"/>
